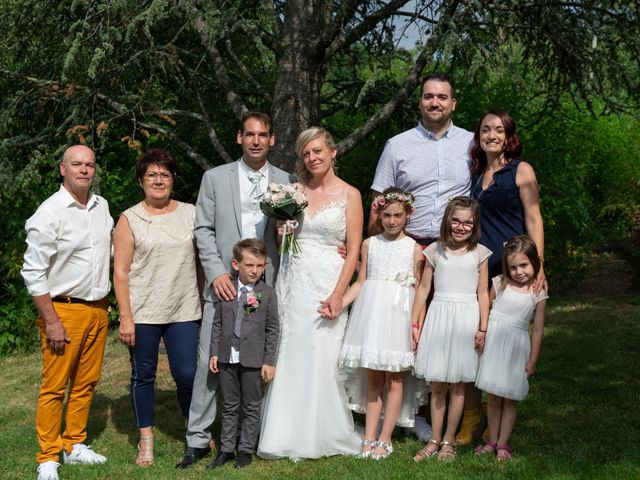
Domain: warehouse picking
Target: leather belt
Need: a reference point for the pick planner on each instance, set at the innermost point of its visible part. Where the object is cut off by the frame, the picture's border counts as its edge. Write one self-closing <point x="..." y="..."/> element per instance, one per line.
<point x="75" y="300"/>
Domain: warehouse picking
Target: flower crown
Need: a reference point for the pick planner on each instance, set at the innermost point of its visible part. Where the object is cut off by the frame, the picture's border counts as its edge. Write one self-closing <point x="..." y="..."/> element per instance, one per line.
<point x="381" y="200"/>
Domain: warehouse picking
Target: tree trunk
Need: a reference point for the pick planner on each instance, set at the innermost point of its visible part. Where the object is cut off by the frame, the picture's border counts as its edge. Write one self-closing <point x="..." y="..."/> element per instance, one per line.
<point x="300" y="72"/>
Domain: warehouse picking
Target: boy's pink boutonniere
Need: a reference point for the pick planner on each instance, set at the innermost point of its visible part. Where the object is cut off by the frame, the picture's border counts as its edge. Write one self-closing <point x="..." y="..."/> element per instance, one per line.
<point x="252" y="302"/>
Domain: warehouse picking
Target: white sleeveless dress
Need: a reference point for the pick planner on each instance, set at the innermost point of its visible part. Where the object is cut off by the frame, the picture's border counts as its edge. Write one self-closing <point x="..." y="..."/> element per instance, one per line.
<point x="508" y="345"/>
<point x="305" y="412"/>
<point x="379" y="331"/>
<point x="446" y="350"/>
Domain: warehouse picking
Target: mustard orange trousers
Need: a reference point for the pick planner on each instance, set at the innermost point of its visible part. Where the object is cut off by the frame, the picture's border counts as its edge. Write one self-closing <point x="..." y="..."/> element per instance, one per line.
<point x="78" y="368"/>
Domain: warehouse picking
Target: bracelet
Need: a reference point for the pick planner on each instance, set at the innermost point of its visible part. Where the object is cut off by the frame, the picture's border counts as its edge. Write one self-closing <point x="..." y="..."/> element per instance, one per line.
<point x="415" y="325"/>
<point x="482" y="331"/>
<point x="541" y="258"/>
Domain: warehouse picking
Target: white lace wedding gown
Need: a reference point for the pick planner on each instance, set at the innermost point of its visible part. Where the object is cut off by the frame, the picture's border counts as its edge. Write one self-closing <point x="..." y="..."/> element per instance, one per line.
<point x="305" y="412"/>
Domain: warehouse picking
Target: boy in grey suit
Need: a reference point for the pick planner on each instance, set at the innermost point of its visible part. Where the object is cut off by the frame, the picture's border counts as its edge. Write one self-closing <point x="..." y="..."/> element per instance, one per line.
<point x="244" y="344"/>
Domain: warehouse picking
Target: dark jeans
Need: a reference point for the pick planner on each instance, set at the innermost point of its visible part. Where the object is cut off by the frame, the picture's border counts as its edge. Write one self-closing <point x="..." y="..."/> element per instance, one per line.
<point x="181" y="341"/>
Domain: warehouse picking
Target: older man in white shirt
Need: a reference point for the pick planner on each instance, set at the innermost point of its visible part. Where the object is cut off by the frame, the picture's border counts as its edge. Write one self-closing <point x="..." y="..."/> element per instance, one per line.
<point x="66" y="270"/>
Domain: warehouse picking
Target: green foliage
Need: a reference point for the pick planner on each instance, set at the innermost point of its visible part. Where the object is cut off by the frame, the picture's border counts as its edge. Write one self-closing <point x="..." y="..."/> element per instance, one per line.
<point x="624" y="221"/>
<point x="18" y="331"/>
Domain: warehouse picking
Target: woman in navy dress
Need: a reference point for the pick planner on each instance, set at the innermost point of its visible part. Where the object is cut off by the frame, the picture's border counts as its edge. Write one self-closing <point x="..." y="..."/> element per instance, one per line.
<point x="507" y="191"/>
<point x="505" y="187"/>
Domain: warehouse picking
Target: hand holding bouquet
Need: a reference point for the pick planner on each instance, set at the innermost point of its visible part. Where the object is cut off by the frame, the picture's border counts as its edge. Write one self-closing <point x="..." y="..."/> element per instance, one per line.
<point x="285" y="202"/>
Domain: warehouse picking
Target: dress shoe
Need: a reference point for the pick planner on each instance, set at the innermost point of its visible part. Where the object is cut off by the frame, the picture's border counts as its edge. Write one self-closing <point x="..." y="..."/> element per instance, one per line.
<point x="192" y="455"/>
<point x="221" y="459"/>
<point x="243" y="460"/>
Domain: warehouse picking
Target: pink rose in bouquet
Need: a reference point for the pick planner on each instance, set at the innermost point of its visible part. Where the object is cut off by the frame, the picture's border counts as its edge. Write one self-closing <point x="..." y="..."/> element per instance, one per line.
<point x="285" y="202"/>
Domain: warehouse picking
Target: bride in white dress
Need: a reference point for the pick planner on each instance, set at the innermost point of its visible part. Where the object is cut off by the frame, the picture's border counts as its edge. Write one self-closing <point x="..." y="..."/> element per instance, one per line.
<point x="305" y="413"/>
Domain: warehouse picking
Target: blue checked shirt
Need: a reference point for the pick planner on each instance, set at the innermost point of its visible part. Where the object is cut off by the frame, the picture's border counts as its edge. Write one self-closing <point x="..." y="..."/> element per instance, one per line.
<point x="434" y="170"/>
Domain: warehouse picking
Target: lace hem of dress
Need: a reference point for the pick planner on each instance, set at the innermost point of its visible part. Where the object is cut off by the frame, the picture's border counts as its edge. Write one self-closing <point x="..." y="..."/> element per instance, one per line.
<point x="354" y="356"/>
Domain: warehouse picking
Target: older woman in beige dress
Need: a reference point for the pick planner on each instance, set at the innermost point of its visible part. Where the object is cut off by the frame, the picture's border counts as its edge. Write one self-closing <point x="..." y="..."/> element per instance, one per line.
<point x="158" y="290"/>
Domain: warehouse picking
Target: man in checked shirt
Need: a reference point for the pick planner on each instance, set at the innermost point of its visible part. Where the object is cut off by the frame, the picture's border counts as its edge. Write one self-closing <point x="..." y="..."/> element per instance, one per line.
<point x="66" y="270"/>
<point x="431" y="161"/>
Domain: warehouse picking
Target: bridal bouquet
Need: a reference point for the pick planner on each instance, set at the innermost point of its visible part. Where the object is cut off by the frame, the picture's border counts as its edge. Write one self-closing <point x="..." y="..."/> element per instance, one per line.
<point x="285" y="202"/>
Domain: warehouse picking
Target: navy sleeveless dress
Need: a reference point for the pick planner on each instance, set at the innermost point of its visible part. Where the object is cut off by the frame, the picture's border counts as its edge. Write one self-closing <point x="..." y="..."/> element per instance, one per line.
<point x="501" y="212"/>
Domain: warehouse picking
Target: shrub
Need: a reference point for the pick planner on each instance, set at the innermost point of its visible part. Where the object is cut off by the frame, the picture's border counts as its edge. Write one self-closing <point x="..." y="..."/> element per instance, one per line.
<point x="18" y="330"/>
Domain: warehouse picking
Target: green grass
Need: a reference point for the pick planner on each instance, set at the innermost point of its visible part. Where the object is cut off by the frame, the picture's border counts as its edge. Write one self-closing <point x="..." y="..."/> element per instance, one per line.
<point x="580" y="420"/>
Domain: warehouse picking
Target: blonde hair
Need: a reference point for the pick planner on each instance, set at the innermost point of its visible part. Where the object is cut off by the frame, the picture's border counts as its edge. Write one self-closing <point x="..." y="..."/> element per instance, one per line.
<point x="303" y="139"/>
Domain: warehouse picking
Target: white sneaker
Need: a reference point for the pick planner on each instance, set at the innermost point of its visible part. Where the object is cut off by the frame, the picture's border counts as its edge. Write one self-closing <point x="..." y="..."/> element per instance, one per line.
<point x="48" y="470"/>
<point x="81" y="454"/>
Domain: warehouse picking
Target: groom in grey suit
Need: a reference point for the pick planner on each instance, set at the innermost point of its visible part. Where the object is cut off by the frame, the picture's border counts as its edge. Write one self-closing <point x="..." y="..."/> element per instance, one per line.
<point x="228" y="211"/>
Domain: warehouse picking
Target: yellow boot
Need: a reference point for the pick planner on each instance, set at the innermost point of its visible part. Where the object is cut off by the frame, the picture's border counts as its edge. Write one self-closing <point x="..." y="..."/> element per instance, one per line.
<point x="470" y="421"/>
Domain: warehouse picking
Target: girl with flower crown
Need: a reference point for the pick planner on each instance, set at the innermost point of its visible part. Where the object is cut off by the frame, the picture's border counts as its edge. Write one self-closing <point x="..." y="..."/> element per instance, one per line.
<point x="377" y="348"/>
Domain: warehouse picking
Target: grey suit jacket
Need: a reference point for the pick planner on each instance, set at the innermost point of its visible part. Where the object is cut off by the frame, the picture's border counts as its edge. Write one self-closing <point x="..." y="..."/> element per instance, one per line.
<point x="218" y="224"/>
<point x="259" y="332"/>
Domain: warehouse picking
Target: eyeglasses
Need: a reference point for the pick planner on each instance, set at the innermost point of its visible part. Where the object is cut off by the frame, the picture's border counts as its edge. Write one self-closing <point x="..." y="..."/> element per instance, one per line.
<point x="153" y="176"/>
<point x="464" y="225"/>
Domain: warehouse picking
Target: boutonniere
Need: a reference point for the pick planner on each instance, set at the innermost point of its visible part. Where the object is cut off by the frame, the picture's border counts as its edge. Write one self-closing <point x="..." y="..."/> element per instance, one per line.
<point x="252" y="302"/>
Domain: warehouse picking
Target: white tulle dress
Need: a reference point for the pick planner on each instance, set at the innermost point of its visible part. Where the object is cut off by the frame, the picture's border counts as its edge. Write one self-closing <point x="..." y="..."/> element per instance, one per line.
<point x="446" y="350"/>
<point x="305" y="413"/>
<point x="508" y="345"/>
<point x="379" y="331"/>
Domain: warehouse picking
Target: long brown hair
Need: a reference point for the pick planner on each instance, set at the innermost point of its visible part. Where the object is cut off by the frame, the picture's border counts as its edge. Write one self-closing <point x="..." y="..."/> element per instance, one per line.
<point x="512" y="145"/>
<point x="445" y="226"/>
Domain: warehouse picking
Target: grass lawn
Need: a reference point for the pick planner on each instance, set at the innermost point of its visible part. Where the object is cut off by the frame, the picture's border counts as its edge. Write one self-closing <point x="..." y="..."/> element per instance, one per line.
<point x="580" y="420"/>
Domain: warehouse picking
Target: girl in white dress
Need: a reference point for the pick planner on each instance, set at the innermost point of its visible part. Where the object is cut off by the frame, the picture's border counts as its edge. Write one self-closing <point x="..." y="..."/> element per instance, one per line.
<point x="510" y="356"/>
<point x="378" y="339"/>
<point x="456" y="320"/>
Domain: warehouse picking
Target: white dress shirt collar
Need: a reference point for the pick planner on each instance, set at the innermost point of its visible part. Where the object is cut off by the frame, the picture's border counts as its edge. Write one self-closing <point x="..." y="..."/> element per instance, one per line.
<point x="429" y="134"/>
<point x="248" y="287"/>
<point x="68" y="200"/>
<point x="248" y="170"/>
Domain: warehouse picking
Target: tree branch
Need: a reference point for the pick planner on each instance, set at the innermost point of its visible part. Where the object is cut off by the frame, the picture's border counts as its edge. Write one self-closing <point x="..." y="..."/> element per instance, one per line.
<point x="201" y="161"/>
<point x="348" y="10"/>
<point x="234" y="100"/>
<point x="213" y="135"/>
<point x="277" y="21"/>
<point x="186" y="148"/>
<point x="245" y="71"/>
<point x="351" y="36"/>
<point x="122" y="110"/>
<point x="411" y="82"/>
<point x="415" y="16"/>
